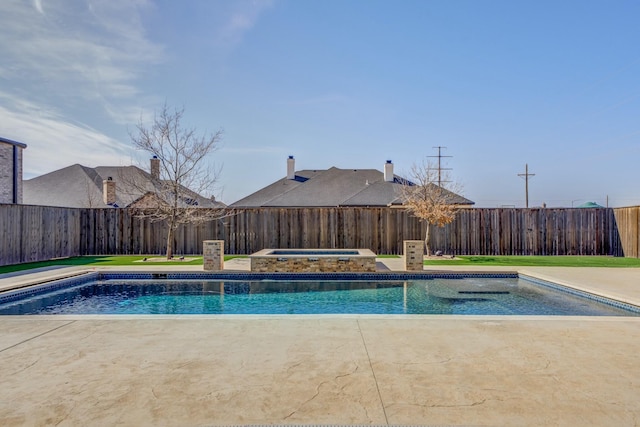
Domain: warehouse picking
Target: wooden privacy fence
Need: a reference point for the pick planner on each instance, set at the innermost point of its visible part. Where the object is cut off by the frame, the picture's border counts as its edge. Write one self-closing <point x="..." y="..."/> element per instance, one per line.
<point x="628" y="222"/>
<point x="474" y="232"/>
<point x="33" y="233"/>
<point x="36" y="233"/>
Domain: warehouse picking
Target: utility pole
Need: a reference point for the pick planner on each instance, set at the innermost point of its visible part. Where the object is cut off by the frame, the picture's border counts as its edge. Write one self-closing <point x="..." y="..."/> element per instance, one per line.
<point x="526" y="176"/>
<point x="440" y="168"/>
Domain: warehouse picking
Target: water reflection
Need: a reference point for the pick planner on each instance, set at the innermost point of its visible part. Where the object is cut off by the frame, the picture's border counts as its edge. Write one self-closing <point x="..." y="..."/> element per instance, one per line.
<point x="441" y="296"/>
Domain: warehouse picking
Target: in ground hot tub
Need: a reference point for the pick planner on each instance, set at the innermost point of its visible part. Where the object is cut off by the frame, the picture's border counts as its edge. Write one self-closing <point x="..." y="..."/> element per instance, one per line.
<point x="313" y="260"/>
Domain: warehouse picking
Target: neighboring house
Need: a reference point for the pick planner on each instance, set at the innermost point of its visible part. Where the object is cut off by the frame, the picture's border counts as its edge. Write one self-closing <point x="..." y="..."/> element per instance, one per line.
<point x="11" y="171"/>
<point x="333" y="187"/>
<point x="78" y="186"/>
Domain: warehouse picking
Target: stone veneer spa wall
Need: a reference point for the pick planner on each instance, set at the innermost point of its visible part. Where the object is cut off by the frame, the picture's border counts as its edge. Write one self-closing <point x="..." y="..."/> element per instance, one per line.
<point x="313" y="260"/>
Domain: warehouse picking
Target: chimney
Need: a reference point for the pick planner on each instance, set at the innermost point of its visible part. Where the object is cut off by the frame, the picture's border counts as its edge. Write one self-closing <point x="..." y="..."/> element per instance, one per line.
<point x="109" y="191"/>
<point x="291" y="168"/>
<point x="155" y="167"/>
<point x="388" y="171"/>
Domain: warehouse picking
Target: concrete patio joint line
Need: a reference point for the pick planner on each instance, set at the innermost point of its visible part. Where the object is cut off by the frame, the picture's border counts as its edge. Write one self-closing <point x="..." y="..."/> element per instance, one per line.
<point x="37" y="336"/>
<point x="364" y="343"/>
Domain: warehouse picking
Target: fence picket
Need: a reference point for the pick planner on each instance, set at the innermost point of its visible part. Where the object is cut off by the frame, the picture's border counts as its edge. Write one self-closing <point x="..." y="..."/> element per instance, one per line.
<point x="34" y="233"/>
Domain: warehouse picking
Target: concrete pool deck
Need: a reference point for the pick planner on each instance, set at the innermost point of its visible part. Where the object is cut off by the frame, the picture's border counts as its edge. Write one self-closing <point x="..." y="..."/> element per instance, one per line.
<point x="402" y="370"/>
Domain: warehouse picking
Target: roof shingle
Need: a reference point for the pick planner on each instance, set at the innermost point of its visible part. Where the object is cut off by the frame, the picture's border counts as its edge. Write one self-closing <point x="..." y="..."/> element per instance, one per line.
<point x="331" y="188"/>
<point x="78" y="186"/>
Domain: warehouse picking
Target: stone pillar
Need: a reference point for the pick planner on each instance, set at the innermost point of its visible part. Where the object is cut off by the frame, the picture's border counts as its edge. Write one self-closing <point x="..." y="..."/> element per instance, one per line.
<point x="213" y="252"/>
<point x="413" y="255"/>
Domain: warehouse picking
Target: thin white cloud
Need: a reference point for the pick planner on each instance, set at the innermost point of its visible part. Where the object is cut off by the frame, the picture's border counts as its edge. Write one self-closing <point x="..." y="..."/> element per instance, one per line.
<point x="52" y="141"/>
<point x="38" y="5"/>
<point x="67" y="63"/>
<point x="241" y="19"/>
<point x="254" y="150"/>
<point x="75" y="51"/>
<point x="71" y="63"/>
<point x="326" y="99"/>
<point x="129" y="115"/>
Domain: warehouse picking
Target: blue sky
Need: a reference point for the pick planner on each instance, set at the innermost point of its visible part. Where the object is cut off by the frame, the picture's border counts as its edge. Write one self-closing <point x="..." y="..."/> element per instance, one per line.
<point x="350" y="84"/>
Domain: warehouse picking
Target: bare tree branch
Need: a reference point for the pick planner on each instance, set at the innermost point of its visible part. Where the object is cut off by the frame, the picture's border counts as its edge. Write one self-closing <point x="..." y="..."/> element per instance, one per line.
<point x="174" y="195"/>
<point x="431" y="203"/>
<point x="92" y="198"/>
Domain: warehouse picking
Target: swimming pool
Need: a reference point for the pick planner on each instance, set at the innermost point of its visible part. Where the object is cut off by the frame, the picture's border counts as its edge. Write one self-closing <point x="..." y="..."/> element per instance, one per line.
<point x="500" y="294"/>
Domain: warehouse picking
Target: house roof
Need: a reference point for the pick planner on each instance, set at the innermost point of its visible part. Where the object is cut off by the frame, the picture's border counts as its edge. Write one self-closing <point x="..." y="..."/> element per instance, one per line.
<point x="79" y="186"/>
<point x="8" y="141"/>
<point x="330" y="188"/>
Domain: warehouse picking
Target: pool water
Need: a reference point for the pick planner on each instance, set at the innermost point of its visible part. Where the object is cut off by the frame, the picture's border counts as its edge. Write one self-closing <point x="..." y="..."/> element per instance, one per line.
<point x="312" y="252"/>
<point x="496" y="296"/>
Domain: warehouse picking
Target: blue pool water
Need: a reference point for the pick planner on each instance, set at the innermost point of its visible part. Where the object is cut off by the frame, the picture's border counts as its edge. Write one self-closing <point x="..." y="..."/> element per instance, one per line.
<point x="313" y="252"/>
<point x="496" y="296"/>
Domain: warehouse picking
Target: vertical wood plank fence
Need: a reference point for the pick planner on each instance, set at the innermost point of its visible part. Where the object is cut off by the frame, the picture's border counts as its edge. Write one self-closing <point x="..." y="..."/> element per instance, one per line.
<point x="628" y="222"/>
<point x="34" y="233"/>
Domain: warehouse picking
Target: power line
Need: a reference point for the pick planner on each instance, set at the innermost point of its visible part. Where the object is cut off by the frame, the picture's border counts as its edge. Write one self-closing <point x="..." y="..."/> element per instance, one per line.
<point x="440" y="168"/>
<point x="526" y="176"/>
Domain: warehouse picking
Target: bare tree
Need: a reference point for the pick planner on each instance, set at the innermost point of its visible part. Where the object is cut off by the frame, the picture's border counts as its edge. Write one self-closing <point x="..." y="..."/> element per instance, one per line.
<point x="432" y="203"/>
<point x="92" y="198"/>
<point x="182" y="175"/>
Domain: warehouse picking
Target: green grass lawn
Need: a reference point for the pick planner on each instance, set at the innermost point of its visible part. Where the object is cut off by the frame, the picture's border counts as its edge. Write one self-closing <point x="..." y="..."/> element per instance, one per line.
<point x="540" y="261"/>
<point x="534" y="261"/>
<point x="98" y="261"/>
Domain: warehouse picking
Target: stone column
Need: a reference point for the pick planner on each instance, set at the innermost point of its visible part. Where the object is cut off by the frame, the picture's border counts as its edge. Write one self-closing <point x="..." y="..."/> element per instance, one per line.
<point x="213" y="252"/>
<point x="413" y="255"/>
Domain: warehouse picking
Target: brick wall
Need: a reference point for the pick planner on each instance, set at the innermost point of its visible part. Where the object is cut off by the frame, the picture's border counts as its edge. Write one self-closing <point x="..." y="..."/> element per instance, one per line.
<point x="6" y="173"/>
<point x="20" y="151"/>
